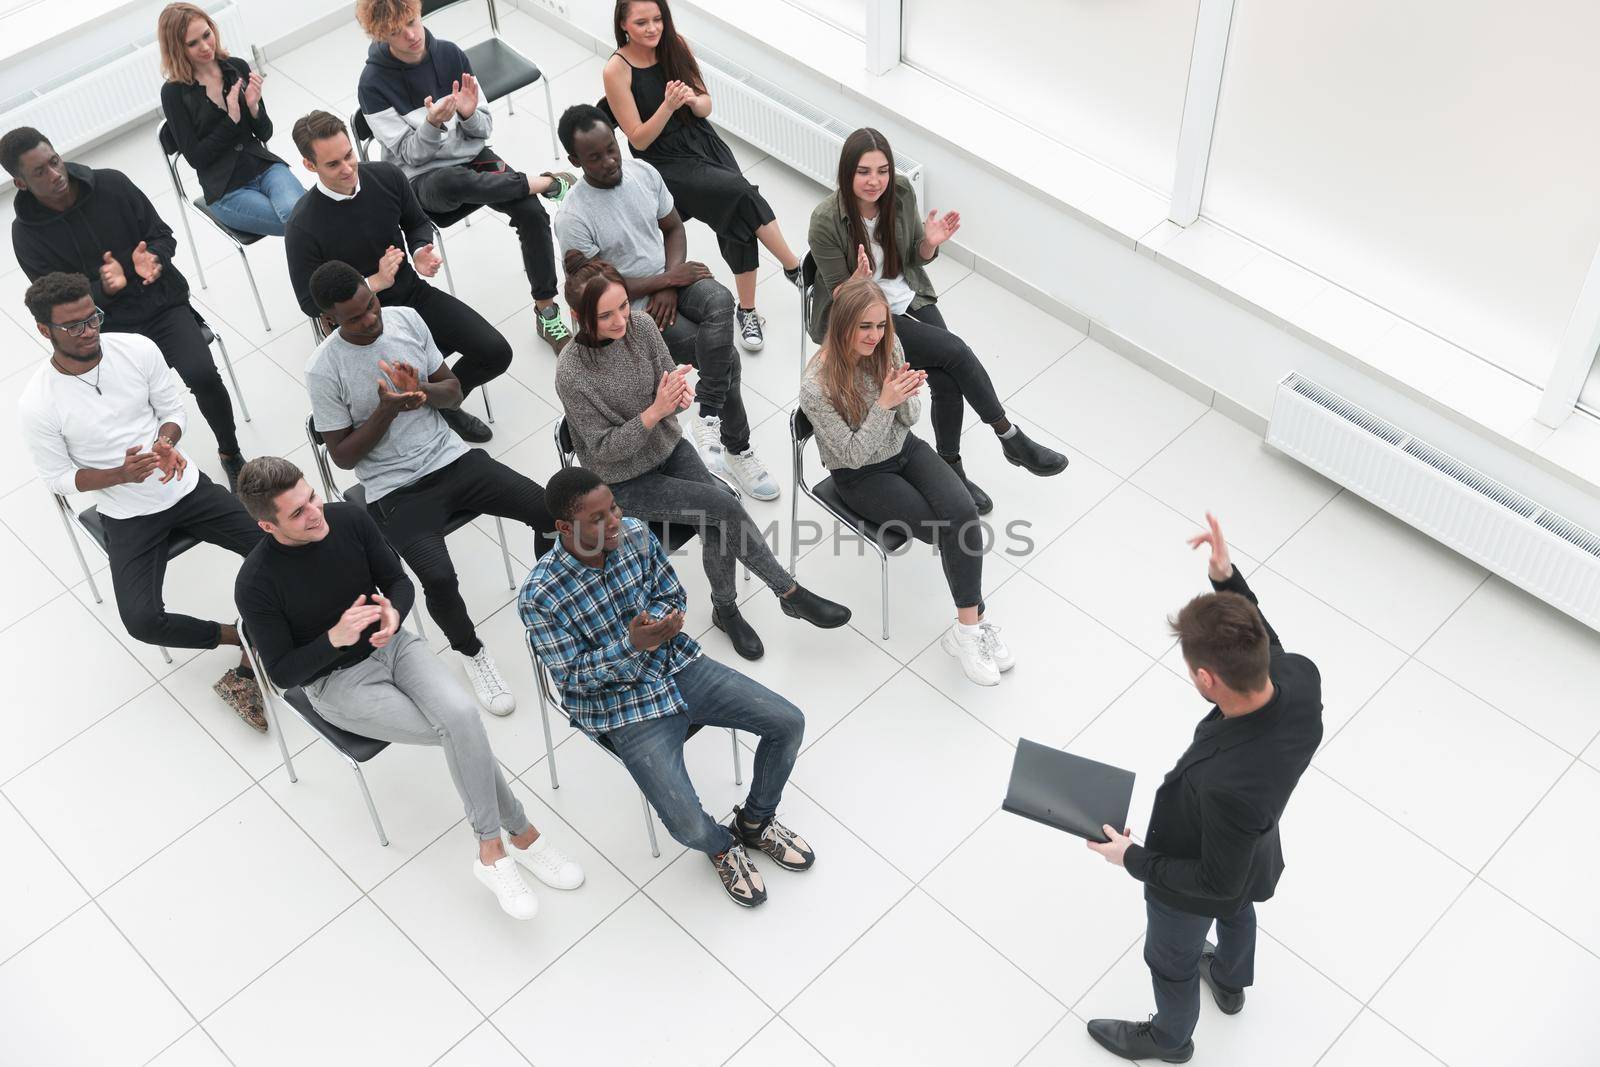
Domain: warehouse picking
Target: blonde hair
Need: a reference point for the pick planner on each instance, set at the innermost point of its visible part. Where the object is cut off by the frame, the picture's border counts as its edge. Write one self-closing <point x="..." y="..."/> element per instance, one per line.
<point x="837" y="374"/>
<point x="380" y="18"/>
<point x="172" y="27"/>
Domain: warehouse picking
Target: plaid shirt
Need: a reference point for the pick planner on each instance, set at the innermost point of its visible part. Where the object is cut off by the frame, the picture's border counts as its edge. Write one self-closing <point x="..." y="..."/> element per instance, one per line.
<point x="577" y="619"/>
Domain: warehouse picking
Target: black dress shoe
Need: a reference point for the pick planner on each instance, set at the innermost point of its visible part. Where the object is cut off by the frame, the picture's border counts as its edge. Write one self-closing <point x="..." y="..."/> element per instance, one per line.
<point x="231" y="466"/>
<point x="1231" y="1001"/>
<point x="471" y="428"/>
<point x="1136" y="1041"/>
<point x="980" y="499"/>
<point x="1023" y="451"/>
<point x="818" y="611"/>
<point x="745" y="640"/>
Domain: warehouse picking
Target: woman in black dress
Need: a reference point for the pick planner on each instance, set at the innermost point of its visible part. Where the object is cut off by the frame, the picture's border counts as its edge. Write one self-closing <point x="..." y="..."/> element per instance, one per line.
<point x="654" y="88"/>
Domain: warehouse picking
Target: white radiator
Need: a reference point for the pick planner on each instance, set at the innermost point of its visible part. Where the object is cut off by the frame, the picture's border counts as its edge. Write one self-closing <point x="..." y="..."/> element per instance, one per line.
<point x="782" y="125"/>
<point x="1489" y="523"/>
<point x="112" y="92"/>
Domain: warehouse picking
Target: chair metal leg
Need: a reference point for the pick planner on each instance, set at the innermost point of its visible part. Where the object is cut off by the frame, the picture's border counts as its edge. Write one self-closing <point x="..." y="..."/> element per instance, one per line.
<point x="269" y="703"/>
<point x="488" y="408"/>
<point x="194" y="249"/>
<point x="251" y="278"/>
<point x="650" y="827"/>
<point x="505" y="552"/>
<point x="372" y="809"/>
<point x="544" y="717"/>
<point x="884" y="579"/>
<point x="227" y="363"/>
<point x="738" y="771"/>
<point x="449" y="277"/>
<point x="164" y="653"/>
<point x="550" y="116"/>
<point x="62" y="509"/>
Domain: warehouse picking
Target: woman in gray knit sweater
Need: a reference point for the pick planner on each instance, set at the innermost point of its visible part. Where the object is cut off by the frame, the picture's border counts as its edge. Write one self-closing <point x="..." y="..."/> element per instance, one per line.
<point x="862" y="400"/>
<point x="622" y="396"/>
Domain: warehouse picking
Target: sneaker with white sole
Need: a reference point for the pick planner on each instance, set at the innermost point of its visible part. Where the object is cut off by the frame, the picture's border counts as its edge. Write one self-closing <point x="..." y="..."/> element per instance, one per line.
<point x="977" y="658"/>
<point x="740" y="879"/>
<point x="749" y="323"/>
<point x="747" y="470"/>
<point x="503" y="880"/>
<point x="990" y="633"/>
<point x="708" y="441"/>
<point x="487" y="685"/>
<point x="548" y="864"/>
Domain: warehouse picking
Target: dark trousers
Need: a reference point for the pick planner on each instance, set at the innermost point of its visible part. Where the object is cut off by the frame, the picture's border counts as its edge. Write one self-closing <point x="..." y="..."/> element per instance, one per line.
<point x="1173" y="942"/>
<point x="921" y="493"/>
<point x="702" y="336"/>
<point x="413" y="519"/>
<point x="138" y="551"/>
<point x="485" y="353"/>
<point x="954" y="375"/>
<point x="445" y="190"/>
<point x="177" y="333"/>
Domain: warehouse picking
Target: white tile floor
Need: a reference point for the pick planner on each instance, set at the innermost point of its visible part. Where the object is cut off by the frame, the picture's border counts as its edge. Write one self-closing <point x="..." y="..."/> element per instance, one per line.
<point x="170" y="897"/>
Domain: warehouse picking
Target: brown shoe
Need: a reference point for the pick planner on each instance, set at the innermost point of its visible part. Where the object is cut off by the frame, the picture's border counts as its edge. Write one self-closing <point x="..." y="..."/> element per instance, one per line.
<point x="740" y="879"/>
<point x="241" y="693"/>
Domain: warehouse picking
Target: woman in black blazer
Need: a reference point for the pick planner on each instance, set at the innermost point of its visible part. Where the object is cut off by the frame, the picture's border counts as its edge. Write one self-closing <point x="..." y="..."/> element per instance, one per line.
<point x="213" y="106"/>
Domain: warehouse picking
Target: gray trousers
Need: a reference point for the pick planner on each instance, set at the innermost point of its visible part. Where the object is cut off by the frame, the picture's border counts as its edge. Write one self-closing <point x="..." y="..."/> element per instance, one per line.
<point x="402" y="693"/>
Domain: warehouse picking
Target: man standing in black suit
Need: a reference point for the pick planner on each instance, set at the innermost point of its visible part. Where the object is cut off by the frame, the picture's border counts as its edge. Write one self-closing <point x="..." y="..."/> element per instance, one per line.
<point x="1213" y="848"/>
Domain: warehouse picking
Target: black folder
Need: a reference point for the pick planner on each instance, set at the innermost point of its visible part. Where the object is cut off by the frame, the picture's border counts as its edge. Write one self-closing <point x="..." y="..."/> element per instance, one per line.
<point x="1068" y="792"/>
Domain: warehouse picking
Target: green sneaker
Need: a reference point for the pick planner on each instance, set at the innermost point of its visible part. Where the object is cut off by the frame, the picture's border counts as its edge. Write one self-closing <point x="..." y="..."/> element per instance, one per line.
<point x="553" y="328"/>
<point x="564" y="182"/>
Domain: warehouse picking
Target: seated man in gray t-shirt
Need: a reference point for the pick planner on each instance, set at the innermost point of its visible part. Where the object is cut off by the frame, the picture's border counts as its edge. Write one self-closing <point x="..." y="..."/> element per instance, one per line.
<point x="378" y="384"/>
<point x="621" y="212"/>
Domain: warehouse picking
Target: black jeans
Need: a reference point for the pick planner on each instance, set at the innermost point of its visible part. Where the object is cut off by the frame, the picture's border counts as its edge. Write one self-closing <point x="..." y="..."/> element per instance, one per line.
<point x="445" y="190"/>
<point x="138" y="551"/>
<point x="413" y="519"/>
<point x="922" y="493"/>
<point x="954" y="375"/>
<point x="1173" y="942"/>
<point x="702" y="336"/>
<point x="485" y="352"/>
<point x="177" y="333"/>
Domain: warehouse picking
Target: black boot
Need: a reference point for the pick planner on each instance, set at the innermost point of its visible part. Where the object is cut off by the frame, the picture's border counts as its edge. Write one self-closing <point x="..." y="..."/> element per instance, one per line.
<point x="818" y="611"/>
<point x="980" y="499"/>
<point x="745" y="640"/>
<point x="1231" y="1001"/>
<point x="1022" y="451"/>
<point x="231" y="466"/>
<point x="471" y="428"/>
<point x="1136" y="1041"/>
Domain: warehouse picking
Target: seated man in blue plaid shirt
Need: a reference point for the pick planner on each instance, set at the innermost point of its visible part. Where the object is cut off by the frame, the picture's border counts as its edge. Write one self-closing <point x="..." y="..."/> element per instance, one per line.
<point x="604" y="611"/>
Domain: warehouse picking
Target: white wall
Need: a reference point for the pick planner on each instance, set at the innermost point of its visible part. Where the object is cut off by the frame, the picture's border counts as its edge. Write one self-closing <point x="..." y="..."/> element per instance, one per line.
<point x="1439" y="157"/>
<point x="848" y="15"/>
<point x="1106" y="78"/>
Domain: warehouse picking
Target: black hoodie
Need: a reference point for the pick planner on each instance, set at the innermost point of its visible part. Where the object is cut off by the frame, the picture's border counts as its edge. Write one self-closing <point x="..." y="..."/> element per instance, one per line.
<point x="110" y="215"/>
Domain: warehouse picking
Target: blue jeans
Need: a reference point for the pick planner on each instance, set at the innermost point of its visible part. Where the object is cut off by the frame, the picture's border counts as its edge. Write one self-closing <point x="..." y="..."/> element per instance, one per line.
<point x="716" y="695"/>
<point x="262" y="205"/>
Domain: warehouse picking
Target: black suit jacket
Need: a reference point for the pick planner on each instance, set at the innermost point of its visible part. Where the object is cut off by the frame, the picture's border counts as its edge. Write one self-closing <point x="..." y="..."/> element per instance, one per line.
<point x="224" y="154"/>
<point x="1213" y="841"/>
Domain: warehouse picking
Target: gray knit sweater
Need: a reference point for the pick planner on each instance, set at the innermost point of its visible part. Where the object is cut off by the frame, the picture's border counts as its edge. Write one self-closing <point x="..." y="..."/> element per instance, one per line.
<point x="880" y="435"/>
<point x="604" y="391"/>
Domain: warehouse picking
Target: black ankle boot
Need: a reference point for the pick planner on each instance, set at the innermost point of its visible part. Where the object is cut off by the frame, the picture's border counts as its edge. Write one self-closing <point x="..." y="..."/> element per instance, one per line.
<point x="745" y="640"/>
<point x="1022" y="451"/>
<point x="980" y="499"/>
<point x="470" y="428"/>
<point x="818" y="611"/>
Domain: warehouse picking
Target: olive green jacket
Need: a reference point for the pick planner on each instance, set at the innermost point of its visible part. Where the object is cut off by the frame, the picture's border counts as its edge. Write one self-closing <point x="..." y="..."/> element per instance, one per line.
<point x="829" y="236"/>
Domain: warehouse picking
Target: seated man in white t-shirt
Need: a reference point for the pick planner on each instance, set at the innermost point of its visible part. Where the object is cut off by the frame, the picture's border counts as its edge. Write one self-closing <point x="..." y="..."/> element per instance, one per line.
<point x="621" y="212"/>
<point x="104" y="416"/>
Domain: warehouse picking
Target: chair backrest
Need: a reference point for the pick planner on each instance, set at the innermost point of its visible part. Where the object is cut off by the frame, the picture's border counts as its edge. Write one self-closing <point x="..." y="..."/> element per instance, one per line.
<point x="565" y="449"/>
<point x="363" y="133"/>
<point x="808" y="270"/>
<point x="169" y="143"/>
<point x="319" y="453"/>
<point x="800" y="426"/>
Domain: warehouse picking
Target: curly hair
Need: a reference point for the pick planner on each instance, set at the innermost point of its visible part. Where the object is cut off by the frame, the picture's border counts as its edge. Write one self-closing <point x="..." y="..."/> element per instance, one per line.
<point x="52" y="290"/>
<point x="380" y="18"/>
<point x="18" y="143"/>
<point x="333" y="283"/>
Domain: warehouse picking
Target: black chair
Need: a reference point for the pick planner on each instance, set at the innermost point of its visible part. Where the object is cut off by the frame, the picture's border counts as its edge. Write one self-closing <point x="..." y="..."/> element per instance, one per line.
<point x="883" y="539"/>
<point x="352" y="748"/>
<point x="808" y="282"/>
<point x="240" y="238"/>
<point x="500" y="69"/>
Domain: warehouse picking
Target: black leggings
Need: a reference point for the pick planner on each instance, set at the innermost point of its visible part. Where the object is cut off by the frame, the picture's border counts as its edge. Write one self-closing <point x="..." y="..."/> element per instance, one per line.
<point x="413" y="519"/>
<point x="445" y="190"/>
<point x="954" y="375"/>
<point x="485" y="352"/>
<point x="176" y="332"/>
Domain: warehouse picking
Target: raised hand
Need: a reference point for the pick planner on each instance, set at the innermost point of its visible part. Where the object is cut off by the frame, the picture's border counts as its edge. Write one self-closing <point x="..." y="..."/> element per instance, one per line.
<point x="389" y="616"/>
<point x="252" y="92"/>
<point x="231" y="100"/>
<point x="426" y="260"/>
<point x="466" y="96"/>
<point x="137" y="465"/>
<point x="900" y="385"/>
<point x="938" y="229"/>
<point x="146" y="263"/>
<point x="863" y="264"/>
<point x="356" y="618"/>
<point x="1221" y="566"/>
<point x="168" y="460"/>
<point x="112" y="278"/>
<point x="441" y="110"/>
<point x="388" y="266"/>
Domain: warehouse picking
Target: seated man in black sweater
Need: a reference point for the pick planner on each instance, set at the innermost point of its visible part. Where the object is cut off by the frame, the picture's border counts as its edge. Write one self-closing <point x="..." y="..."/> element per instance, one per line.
<point x="366" y="215"/>
<point x="321" y="601"/>
<point x="78" y="220"/>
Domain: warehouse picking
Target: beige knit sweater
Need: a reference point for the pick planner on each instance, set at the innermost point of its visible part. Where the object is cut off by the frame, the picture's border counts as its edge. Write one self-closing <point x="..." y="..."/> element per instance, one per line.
<point x="880" y="435"/>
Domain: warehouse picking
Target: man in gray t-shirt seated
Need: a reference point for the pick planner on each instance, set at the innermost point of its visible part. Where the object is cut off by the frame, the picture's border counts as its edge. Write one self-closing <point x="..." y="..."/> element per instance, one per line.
<point x="621" y="212"/>
<point x="378" y="384"/>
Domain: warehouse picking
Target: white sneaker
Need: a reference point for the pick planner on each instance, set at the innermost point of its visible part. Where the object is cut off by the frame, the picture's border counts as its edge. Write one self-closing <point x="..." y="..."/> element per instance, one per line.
<point x="708" y="441"/>
<point x="977" y="659"/>
<point x="750" y="473"/>
<point x="515" y="898"/>
<point x="548" y="864"/>
<point x="1003" y="659"/>
<point x="487" y="684"/>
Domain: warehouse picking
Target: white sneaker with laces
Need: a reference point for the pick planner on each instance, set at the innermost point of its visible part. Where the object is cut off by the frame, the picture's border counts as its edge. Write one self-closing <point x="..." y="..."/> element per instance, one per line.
<point x="548" y="864"/>
<point x="708" y="441"/>
<point x="749" y="323"/>
<point x="490" y="689"/>
<point x="750" y="473"/>
<point x="515" y="898"/>
<point x="1003" y="659"/>
<point x="977" y="659"/>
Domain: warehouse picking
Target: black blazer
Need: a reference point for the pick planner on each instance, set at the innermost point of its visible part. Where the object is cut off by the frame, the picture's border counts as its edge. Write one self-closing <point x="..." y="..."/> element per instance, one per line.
<point x="1213" y="841"/>
<point x="225" y="154"/>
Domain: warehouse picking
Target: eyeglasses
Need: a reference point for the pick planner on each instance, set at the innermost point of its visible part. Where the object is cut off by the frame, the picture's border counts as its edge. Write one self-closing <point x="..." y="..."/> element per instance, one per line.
<point x="82" y="326"/>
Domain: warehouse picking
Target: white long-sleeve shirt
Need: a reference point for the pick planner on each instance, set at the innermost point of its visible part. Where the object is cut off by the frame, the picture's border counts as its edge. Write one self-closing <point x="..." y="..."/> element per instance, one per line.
<point x="69" y="426"/>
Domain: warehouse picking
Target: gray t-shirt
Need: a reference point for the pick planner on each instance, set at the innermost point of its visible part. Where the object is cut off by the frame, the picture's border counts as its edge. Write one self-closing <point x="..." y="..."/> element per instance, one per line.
<point x="343" y="381"/>
<point x="620" y="225"/>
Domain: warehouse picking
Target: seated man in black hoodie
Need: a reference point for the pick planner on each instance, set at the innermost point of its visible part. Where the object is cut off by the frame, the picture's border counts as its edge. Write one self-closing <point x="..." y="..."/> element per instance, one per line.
<point x="78" y="220"/>
<point x="366" y="215"/>
<point x="426" y="109"/>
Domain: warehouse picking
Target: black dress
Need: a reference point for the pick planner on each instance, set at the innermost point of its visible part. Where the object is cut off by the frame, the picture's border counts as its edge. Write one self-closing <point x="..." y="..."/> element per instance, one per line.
<point x="700" y="172"/>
